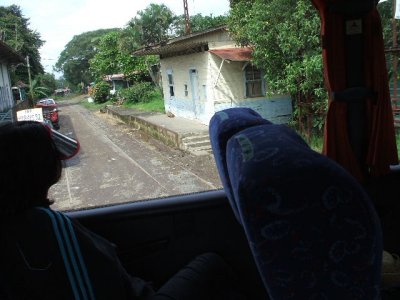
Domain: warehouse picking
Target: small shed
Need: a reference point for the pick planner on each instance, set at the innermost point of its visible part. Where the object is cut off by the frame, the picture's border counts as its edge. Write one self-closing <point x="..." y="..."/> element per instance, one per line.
<point x="117" y="81"/>
<point x="205" y="72"/>
<point x="8" y="56"/>
<point x="19" y="91"/>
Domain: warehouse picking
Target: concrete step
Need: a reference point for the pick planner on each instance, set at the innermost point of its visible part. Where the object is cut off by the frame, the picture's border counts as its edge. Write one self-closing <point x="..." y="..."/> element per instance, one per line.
<point x="198" y="144"/>
<point x="195" y="138"/>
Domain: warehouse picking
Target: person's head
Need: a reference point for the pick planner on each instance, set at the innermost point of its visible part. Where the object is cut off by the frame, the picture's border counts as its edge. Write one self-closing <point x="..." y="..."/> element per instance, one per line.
<point x="30" y="164"/>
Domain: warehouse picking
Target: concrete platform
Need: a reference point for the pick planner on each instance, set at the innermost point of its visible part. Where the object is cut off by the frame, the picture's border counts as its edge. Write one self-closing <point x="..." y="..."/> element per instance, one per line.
<point x="174" y="131"/>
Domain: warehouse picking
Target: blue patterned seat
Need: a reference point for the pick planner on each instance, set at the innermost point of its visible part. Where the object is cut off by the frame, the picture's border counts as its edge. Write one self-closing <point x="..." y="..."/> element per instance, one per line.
<point x="223" y="126"/>
<point x="311" y="227"/>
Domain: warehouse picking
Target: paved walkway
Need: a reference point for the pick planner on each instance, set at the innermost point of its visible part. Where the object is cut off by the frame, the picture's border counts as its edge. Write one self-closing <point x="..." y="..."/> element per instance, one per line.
<point x="185" y="134"/>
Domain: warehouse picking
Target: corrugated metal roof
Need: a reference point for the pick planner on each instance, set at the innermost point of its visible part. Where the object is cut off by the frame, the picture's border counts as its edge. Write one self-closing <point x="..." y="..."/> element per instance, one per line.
<point x="114" y="77"/>
<point x="169" y="48"/>
<point x="233" y="54"/>
<point x="177" y="44"/>
<point x="9" y="55"/>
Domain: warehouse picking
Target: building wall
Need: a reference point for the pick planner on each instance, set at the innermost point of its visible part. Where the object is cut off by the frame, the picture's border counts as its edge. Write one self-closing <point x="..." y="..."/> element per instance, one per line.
<point x="6" y="98"/>
<point x="182" y="104"/>
<point x="217" y="88"/>
<point x="229" y="90"/>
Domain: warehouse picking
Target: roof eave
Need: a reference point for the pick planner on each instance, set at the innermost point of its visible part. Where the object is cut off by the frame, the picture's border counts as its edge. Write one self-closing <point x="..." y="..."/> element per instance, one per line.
<point x="176" y="44"/>
<point x="9" y="55"/>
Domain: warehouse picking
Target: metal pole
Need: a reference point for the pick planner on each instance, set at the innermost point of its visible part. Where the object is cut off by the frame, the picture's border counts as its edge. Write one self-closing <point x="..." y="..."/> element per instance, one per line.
<point x="187" y="18"/>
<point x="30" y="80"/>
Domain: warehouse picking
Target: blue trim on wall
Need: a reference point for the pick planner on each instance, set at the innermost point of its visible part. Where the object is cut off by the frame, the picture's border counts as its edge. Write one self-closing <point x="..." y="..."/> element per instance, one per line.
<point x="277" y="110"/>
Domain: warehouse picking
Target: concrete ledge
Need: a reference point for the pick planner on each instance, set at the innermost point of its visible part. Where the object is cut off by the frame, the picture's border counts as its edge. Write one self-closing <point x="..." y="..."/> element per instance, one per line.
<point x="138" y="121"/>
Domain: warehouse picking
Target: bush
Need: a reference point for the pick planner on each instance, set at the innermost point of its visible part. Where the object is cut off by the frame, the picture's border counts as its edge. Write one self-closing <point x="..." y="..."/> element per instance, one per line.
<point x="139" y="92"/>
<point x="100" y="92"/>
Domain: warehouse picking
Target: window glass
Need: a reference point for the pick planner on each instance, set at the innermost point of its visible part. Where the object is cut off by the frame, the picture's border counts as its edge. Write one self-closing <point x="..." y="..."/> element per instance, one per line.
<point x="170" y="79"/>
<point x="254" y="81"/>
<point x="170" y="83"/>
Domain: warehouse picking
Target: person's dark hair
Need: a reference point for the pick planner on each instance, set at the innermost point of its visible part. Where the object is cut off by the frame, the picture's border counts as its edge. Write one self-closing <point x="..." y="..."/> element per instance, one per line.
<point x="29" y="164"/>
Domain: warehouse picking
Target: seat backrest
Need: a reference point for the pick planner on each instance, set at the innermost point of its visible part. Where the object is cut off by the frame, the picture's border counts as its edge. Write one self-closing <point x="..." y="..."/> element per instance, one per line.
<point x="311" y="227"/>
<point x="223" y="125"/>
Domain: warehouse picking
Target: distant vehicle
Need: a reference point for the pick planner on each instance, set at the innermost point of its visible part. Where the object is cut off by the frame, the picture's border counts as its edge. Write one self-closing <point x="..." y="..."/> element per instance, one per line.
<point x="50" y="111"/>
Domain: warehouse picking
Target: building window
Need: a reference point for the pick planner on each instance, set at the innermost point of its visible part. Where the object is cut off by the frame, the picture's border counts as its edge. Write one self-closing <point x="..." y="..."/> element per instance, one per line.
<point x="254" y="81"/>
<point x="170" y="83"/>
<point x="186" y="90"/>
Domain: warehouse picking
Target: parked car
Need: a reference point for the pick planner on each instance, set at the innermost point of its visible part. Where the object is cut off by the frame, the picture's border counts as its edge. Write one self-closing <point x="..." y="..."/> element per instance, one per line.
<point x="50" y="111"/>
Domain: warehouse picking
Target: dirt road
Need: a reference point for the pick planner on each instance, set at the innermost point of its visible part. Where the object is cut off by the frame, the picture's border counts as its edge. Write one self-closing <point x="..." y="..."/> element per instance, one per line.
<point x="117" y="164"/>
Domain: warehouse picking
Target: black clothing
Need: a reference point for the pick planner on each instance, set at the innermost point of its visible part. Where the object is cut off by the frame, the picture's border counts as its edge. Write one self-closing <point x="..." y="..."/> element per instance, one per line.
<point x="45" y="256"/>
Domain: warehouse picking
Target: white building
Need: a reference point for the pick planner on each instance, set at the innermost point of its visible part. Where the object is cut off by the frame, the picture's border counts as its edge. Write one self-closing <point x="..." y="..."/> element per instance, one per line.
<point x="205" y="72"/>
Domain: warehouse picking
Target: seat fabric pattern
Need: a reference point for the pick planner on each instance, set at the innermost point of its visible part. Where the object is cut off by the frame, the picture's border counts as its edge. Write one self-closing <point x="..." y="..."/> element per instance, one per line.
<point x="311" y="227"/>
<point x="223" y="125"/>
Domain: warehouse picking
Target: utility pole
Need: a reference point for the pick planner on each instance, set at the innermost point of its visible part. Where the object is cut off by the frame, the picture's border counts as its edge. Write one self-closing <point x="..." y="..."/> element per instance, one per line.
<point x="187" y="18"/>
<point x="30" y="80"/>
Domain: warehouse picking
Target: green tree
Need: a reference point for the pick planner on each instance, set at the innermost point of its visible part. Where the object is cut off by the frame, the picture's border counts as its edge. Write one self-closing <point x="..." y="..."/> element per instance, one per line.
<point x="153" y="24"/>
<point x="386" y="11"/>
<point x="14" y="28"/>
<point x="198" y="23"/>
<point x="39" y="91"/>
<point x="74" y="59"/>
<point x="106" y="61"/>
<point x="47" y="81"/>
<point x="284" y="35"/>
<point x="113" y="58"/>
<point x="101" y="92"/>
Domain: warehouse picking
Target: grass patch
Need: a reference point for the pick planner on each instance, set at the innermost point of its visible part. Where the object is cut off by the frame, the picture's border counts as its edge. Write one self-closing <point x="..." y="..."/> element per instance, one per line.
<point x="156" y="104"/>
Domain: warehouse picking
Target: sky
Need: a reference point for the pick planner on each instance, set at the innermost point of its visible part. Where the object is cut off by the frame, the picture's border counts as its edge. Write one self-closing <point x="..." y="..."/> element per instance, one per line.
<point x="58" y="21"/>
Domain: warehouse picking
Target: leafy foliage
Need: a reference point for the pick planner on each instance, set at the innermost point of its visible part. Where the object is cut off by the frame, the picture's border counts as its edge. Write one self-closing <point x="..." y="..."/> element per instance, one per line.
<point x="284" y="35"/>
<point x="112" y="58"/>
<point x="156" y="104"/>
<point x="198" y="23"/>
<point x="74" y="59"/>
<point x="38" y="91"/>
<point x="100" y="92"/>
<point x="157" y="23"/>
<point x="151" y="25"/>
<point x="47" y="81"/>
<point x="139" y="92"/>
<point x="386" y="11"/>
<point x="17" y="34"/>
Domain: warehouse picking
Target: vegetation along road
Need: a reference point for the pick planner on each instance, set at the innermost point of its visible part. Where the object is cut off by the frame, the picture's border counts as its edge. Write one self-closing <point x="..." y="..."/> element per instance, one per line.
<point x="117" y="164"/>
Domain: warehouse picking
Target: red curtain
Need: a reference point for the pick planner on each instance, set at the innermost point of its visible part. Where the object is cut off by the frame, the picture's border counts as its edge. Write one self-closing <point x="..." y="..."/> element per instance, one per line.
<point x="382" y="151"/>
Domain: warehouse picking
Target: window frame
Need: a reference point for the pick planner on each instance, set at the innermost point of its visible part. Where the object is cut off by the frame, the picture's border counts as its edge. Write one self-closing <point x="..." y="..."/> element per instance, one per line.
<point x="247" y="81"/>
<point x="170" y="83"/>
